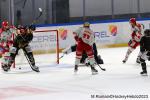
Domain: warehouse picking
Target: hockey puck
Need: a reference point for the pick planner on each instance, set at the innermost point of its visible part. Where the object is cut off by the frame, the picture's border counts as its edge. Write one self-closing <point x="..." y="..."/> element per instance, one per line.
<point x="19" y="67"/>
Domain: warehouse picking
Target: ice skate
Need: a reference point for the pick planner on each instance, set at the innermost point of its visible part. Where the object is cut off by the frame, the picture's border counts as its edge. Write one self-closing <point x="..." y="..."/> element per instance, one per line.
<point x="5" y="67"/>
<point x="94" y="71"/>
<point x="144" y="73"/>
<point x="124" y="61"/>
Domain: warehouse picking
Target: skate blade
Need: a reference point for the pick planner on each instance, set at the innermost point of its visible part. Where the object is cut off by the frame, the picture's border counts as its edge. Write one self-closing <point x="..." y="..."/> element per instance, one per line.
<point x="144" y="74"/>
<point x="123" y="62"/>
<point x="75" y="71"/>
<point x="94" y="73"/>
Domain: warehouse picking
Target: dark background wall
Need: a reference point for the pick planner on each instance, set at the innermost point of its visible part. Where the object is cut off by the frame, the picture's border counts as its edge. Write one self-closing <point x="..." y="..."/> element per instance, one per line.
<point x="63" y="11"/>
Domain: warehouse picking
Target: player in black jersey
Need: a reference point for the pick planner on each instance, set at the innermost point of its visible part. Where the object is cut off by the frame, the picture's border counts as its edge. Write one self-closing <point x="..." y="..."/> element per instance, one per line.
<point x="145" y="50"/>
<point x="21" y="41"/>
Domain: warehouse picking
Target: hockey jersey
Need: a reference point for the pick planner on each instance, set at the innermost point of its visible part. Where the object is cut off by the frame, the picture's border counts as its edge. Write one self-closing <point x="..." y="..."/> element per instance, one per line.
<point x="6" y="37"/>
<point x="145" y="43"/>
<point x="86" y="35"/>
<point x="136" y="33"/>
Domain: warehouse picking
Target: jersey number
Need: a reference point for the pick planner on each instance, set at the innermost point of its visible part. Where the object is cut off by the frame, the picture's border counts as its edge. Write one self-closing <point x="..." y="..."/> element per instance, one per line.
<point x="86" y="36"/>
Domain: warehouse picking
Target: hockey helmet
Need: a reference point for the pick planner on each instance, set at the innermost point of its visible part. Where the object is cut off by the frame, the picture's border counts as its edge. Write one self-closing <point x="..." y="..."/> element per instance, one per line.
<point x="32" y="27"/>
<point x="20" y="27"/>
<point x="5" y="23"/>
<point x="132" y="20"/>
<point x="147" y="32"/>
<point x="86" y="24"/>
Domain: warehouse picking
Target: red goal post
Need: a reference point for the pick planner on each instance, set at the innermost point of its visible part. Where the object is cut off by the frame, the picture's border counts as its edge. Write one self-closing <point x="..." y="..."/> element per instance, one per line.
<point x="57" y="40"/>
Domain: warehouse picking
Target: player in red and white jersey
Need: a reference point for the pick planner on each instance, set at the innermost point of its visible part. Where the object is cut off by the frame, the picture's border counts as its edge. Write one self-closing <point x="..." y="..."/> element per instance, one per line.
<point x="6" y="37"/>
<point x="135" y="38"/>
<point x="84" y="37"/>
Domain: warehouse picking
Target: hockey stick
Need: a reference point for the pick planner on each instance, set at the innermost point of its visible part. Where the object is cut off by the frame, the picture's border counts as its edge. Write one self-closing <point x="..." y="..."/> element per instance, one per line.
<point x="61" y="56"/>
<point x="37" y="18"/>
<point x="24" y="3"/>
<point x="101" y="67"/>
<point x="41" y="12"/>
<point x="30" y="62"/>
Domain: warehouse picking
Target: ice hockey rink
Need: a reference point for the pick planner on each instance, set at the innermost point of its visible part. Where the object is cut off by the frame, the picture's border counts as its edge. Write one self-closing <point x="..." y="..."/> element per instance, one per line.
<point x="58" y="82"/>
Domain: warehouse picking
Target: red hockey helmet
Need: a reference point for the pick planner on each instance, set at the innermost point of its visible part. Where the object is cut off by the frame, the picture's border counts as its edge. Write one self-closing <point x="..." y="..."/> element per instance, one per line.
<point x="132" y="20"/>
<point x="5" y="23"/>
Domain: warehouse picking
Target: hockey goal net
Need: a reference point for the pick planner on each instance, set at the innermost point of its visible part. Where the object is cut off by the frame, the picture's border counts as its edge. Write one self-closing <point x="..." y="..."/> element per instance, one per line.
<point x="45" y="47"/>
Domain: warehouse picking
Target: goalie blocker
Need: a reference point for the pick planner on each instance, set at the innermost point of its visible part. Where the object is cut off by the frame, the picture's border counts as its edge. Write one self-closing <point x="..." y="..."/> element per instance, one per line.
<point x="21" y="41"/>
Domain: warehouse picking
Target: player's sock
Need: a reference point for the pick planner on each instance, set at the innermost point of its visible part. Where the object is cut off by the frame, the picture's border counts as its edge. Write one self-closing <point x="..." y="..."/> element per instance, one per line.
<point x="76" y="68"/>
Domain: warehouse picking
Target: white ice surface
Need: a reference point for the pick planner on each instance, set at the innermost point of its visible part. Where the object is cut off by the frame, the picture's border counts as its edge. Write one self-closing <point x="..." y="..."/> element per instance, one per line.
<point x="58" y="82"/>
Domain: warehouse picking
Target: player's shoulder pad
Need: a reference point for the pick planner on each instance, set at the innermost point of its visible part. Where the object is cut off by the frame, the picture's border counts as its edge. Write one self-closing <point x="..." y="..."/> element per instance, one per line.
<point x="138" y="25"/>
